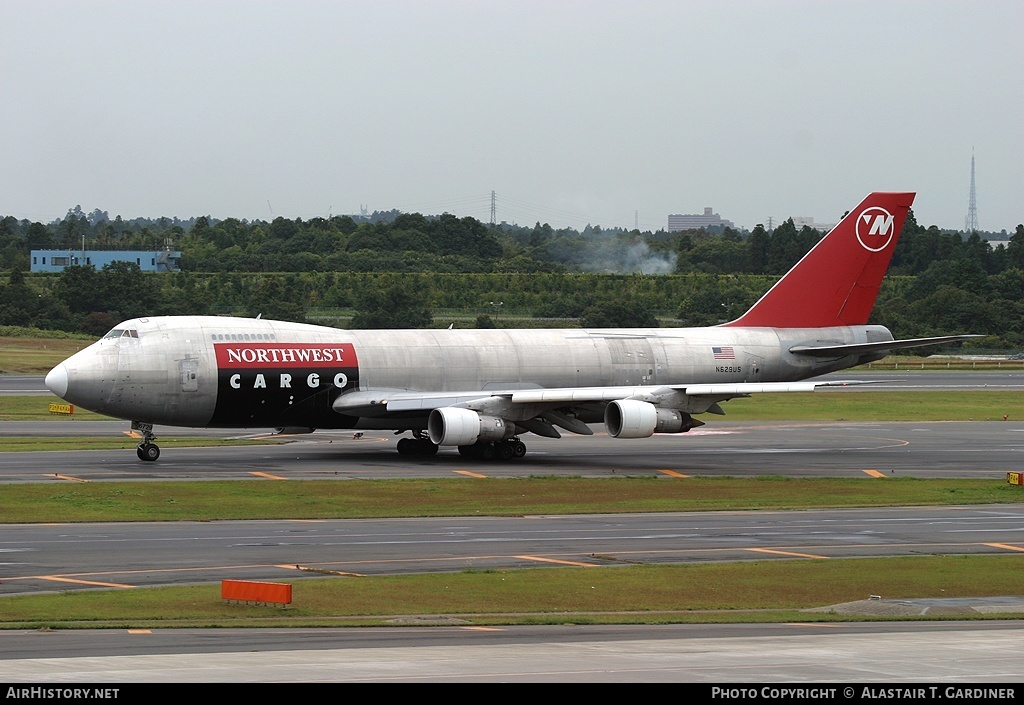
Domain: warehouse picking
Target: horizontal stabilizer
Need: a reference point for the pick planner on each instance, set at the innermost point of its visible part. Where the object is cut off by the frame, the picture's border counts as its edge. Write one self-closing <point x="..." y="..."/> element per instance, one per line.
<point x="860" y="348"/>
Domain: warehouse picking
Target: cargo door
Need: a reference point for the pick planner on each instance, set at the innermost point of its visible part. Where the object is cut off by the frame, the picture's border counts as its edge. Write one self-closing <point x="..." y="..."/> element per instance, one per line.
<point x="632" y="361"/>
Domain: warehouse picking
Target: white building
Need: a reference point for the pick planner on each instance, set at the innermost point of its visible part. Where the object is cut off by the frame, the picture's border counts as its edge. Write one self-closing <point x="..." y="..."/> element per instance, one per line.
<point x="801" y="220"/>
<point x="693" y="221"/>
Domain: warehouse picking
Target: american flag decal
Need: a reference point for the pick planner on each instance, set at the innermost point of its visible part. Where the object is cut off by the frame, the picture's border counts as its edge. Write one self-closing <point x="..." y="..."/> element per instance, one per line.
<point x="723" y="353"/>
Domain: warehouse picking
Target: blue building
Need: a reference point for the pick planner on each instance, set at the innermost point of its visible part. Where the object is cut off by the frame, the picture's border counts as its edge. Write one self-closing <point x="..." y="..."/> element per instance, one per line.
<point x="57" y="260"/>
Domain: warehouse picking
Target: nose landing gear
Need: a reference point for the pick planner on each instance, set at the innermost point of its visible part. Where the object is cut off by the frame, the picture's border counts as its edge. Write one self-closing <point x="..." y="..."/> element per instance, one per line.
<point x="147" y="450"/>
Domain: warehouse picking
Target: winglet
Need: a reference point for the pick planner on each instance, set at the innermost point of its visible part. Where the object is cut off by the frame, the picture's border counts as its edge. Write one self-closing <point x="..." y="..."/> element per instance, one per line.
<point x="837" y="282"/>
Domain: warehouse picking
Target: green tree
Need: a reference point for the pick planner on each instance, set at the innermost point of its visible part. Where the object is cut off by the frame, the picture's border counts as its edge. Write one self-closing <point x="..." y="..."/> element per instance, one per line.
<point x="618" y="314"/>
<point x="1015" y="248"/>
<point x="757" y="250"/>
<point x="128" y="292"/>
<point x="80" y="288"/>
<point x="398" y="305"/>
<point x="277" y="300"/>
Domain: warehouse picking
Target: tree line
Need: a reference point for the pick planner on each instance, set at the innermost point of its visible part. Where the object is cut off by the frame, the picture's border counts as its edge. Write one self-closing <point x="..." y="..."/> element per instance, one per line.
<point x="396" y="269"/>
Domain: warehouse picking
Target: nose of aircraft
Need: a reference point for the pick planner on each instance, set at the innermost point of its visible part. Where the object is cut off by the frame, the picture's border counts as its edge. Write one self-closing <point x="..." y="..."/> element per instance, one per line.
<point x="57" y="380"/>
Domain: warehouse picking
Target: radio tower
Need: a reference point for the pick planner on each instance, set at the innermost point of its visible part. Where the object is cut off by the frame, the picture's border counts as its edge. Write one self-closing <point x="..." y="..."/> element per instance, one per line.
<point x="971" y="223"/>
<point x="494" y="210"/>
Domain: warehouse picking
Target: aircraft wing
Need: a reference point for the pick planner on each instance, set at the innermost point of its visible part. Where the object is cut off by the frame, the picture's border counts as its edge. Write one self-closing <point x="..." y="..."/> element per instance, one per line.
<point x="393" y="401"/>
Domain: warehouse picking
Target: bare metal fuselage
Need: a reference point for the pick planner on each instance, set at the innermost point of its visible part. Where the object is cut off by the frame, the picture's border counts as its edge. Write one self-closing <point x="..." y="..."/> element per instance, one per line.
<point x="205" y="371"/>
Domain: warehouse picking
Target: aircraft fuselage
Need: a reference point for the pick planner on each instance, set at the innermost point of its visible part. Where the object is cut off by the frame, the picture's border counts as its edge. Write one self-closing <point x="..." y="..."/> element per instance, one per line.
<point x="208" y="371"/>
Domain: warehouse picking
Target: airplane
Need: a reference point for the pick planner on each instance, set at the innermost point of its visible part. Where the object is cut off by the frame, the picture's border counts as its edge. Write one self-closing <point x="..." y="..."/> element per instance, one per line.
<point x="479" y="390"/>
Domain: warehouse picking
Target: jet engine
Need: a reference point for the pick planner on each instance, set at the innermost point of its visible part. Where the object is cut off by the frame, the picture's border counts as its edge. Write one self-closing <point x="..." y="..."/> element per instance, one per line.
<point x="454" y="426"/>
<point x="629" y="418"/>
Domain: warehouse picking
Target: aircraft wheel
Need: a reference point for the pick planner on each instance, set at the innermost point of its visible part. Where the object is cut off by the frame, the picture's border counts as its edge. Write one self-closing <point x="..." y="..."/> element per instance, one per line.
<point x="148" y="451"/>
<point x="428" y="448"/>
<point x="506" y="451"/>
<point x="518" y="449"/>
<point x="488" y="452"/>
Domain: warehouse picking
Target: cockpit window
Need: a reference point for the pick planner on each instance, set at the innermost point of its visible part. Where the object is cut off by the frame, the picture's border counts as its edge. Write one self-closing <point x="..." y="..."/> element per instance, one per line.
<point x="122" y="333"/>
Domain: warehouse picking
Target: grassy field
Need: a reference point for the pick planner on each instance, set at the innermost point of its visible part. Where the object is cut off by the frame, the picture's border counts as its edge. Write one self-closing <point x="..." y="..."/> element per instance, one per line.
<point x="37" y="408"/>
<point x="761" y="591"/>
<point x="31" y="444"/>
<point x="36" y="356"/>
<point x="850" y="405"/>
<point x="217" y="500"/>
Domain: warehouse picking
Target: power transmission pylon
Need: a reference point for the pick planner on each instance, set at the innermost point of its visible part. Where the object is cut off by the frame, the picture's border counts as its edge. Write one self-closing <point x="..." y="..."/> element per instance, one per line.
<point x="971" y="223"/>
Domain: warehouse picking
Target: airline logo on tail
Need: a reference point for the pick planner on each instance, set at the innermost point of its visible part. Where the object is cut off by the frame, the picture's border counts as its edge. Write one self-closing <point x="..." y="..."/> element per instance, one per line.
<point x="875" y="229"/>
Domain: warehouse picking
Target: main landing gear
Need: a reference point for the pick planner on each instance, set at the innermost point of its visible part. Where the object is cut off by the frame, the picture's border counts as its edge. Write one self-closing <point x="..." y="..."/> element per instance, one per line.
<point x="147" y="450"/>
<point x="511" y="449"/>
<point x="419" y="444"/>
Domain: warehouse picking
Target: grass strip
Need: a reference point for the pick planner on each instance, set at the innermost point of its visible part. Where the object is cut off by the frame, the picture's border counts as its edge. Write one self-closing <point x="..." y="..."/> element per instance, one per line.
<point x="349" y="499"/>
<point x="22" y="444"/>
<point x="758" y="591"/>
<point x="849" y="405"/>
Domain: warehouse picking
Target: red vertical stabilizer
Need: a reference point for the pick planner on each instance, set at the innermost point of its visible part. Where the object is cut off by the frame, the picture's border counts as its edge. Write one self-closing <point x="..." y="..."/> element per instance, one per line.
<point x="836" y="283"/>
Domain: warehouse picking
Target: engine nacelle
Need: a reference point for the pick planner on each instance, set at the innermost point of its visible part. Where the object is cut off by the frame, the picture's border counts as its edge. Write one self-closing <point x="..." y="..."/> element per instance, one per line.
<point x="454" y="426"/>
<point x="629" y="418"/>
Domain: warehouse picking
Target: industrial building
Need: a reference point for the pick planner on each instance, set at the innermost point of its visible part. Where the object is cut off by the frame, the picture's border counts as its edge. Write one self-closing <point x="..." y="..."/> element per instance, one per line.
<point x="149" y="261"/>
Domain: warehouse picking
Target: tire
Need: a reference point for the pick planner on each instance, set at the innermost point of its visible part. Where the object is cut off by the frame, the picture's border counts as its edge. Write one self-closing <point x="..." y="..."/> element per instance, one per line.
<point x="149" y="451"/>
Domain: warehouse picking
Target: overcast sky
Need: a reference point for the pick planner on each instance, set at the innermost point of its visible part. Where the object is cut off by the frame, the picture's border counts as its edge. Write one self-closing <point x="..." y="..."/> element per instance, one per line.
<point x="605" y="112"/>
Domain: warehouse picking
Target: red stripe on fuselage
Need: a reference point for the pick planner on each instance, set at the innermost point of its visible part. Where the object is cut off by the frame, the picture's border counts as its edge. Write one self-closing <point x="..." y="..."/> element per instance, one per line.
<point x="305" y="355"/>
